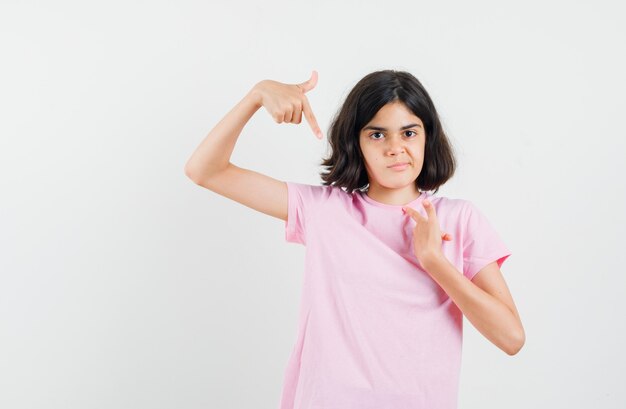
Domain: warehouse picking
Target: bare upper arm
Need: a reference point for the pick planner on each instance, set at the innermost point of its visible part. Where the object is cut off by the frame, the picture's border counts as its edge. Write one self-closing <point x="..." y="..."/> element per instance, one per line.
<point x="252" y="189"/>
<point x="490" y="279"/>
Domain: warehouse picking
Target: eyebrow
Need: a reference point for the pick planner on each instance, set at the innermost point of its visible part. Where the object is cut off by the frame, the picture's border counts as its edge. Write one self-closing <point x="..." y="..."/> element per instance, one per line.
<point x="378" y="128"/>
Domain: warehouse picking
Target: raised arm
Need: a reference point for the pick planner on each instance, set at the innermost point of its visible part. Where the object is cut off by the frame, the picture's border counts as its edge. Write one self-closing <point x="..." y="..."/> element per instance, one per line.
<point x="210" y="165"/>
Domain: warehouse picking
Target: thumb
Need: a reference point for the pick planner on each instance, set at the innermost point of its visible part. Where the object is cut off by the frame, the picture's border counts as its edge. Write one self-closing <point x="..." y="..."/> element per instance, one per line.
<point x="309" y="84"/>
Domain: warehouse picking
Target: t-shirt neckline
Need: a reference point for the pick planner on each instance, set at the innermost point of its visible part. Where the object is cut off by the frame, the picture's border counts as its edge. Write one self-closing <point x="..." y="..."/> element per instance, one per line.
<point x="392" y="206"/>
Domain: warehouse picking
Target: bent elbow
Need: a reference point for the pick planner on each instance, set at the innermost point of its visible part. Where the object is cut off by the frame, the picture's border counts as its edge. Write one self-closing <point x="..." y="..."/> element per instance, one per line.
<point x="517" y="344"/>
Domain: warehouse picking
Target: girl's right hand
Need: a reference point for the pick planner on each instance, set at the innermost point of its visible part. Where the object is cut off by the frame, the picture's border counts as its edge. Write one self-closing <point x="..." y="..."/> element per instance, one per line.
<point x="287" y="102"/>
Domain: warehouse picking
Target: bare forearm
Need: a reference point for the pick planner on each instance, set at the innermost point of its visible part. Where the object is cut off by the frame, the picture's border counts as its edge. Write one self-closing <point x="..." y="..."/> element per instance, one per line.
<point x="214" y="153"/>
<point x="488" y="314"/>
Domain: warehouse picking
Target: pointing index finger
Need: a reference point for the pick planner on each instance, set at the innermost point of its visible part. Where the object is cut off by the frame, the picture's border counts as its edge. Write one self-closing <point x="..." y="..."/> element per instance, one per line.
<point x="310" y="117"/>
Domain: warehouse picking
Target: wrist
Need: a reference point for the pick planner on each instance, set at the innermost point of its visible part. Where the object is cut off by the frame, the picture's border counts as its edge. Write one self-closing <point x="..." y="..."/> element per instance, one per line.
<point x="433" y="261"/>
<point x="255" y="97"/>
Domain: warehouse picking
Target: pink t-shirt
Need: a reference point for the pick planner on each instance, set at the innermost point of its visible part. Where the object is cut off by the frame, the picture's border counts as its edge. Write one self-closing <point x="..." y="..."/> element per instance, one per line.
<point x="375" y="330"/>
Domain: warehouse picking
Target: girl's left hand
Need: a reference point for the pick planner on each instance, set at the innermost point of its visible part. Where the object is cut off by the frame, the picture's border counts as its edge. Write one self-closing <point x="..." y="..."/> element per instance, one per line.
<point x="427" y="237"/>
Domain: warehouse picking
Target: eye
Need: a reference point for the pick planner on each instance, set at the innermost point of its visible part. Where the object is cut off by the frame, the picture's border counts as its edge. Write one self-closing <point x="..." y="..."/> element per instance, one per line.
<point x="380" y="133"/>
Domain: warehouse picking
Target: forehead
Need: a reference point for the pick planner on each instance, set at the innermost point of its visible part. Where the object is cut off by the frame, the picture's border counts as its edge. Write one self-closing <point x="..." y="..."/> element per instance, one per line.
<point x="393" y="112"/>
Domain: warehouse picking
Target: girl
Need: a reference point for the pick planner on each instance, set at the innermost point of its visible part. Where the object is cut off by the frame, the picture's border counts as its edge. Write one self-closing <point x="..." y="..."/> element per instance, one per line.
<point x="390" y="266"/>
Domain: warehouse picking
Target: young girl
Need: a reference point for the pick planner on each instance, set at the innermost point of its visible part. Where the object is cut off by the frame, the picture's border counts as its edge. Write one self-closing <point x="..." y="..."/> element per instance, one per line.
<point x="390" y="266"/>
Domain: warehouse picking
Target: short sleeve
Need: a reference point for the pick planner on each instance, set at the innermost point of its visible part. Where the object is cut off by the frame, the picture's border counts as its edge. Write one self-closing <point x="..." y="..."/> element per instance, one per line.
<point x="303" y="201"/>
<point x="481" y="243"/>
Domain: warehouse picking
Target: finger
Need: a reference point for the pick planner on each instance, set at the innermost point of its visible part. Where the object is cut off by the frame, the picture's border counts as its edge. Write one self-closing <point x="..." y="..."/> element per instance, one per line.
<point x="415" y="215"/>
<point x="310" y="117"/>
<point x="297" y="116"/>
<point x="309" y="84"/>
<point x="288" y="116"/>
<point x="430" y="211"/>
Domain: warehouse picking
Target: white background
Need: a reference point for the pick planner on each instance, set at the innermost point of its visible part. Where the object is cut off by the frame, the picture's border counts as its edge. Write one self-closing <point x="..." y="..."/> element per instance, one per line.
<point x="125" y="285"/>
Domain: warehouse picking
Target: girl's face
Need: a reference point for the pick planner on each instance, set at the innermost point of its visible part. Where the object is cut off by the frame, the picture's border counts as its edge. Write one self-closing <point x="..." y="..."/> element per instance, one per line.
<point x="393" y="135"/>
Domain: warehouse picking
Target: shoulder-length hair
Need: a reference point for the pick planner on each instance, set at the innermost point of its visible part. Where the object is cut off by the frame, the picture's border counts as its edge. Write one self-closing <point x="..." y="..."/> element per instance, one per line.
<point x="345" y="164"/>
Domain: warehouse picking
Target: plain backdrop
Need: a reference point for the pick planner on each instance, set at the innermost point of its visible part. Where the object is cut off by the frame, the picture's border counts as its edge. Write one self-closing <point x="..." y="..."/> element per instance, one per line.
<point x="125" y="285"/>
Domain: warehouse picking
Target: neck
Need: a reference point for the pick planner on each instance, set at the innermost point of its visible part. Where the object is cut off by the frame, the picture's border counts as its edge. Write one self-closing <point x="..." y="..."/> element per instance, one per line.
<point x="399" y="196"/>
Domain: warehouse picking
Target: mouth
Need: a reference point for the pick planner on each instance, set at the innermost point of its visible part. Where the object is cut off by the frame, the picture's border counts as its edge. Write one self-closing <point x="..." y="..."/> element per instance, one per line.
<point x="398" y="165"/>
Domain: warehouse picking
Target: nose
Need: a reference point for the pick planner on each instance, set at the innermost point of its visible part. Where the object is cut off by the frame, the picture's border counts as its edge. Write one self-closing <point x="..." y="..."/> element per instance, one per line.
<point x="395" y="146"/>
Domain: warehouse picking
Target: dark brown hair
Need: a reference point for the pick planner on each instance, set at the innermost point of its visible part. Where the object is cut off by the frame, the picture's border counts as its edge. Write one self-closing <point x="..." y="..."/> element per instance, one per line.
<point x="345" y="165"/>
